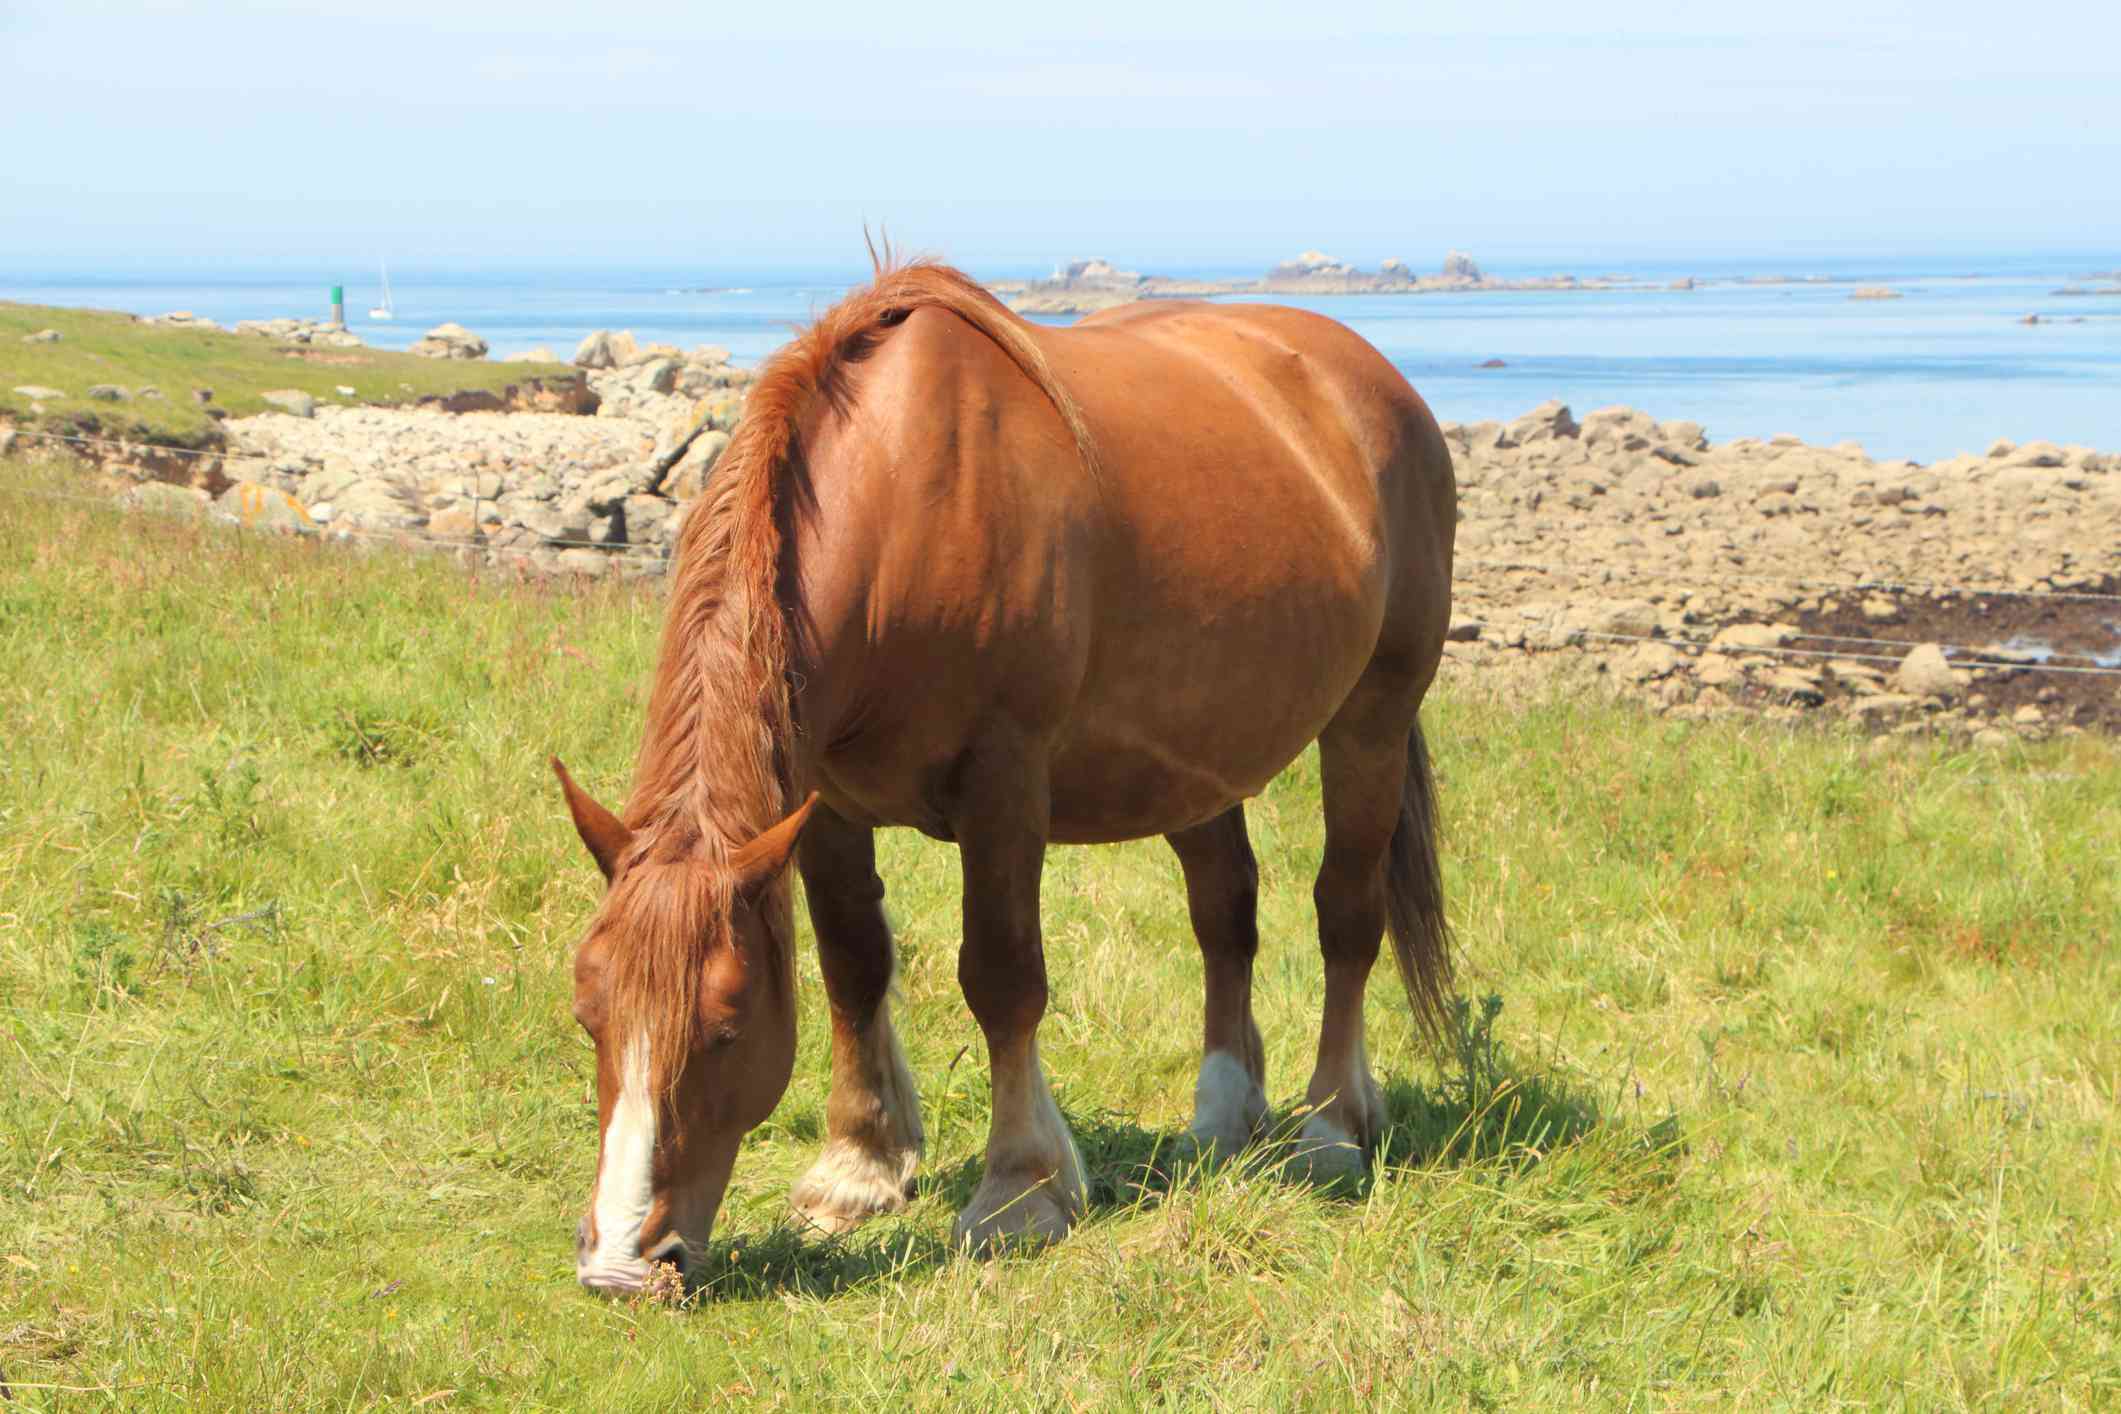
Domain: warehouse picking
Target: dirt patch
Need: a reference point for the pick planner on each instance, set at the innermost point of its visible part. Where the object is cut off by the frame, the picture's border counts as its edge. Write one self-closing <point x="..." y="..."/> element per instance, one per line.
<point x="2079" y="632"/>
<point x="2005" y="643"/>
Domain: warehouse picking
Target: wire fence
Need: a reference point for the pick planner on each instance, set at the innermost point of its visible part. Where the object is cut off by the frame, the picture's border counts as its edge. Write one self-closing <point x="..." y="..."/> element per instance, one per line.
<point x="1959" y="655"/>
<point x="1690" y="578"/>
<point x="1935" y="589"/>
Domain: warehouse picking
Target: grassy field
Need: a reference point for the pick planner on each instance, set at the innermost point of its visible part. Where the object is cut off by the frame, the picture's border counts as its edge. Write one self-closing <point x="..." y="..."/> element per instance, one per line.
<point x="97" y="346"/>
<point x="1802" y="1091"/>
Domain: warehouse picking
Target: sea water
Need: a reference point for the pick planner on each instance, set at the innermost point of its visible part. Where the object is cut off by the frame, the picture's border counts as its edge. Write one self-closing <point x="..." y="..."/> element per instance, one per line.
<point x="1946" y="368"/>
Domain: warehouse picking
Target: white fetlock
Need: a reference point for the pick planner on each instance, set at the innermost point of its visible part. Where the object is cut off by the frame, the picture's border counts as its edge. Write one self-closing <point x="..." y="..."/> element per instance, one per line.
<point x="849" y="1184"/>
<point x="1229" y="1108"/>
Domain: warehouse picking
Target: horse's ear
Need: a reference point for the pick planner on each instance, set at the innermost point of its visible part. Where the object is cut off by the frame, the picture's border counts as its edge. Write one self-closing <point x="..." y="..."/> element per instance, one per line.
<point x="759" y="863"/>
<point x="603" y="832"/>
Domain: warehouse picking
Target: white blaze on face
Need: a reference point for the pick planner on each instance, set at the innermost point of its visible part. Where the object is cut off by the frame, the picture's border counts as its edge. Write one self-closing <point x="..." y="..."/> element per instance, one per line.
<point x="624" y="1174"/>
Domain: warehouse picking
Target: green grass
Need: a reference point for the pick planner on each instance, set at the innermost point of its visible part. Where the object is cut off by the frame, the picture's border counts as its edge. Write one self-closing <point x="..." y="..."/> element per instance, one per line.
<point x="97" y="346"/>
<point x="1802" y="1092"/>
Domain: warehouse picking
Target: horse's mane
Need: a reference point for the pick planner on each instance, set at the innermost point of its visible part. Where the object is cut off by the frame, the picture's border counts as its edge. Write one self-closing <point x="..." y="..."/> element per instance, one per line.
<point x="715" y="766"/>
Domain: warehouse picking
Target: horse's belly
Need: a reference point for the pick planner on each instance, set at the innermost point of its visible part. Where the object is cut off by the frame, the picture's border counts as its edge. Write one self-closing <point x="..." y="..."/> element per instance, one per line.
<point x="1108" y="791"/>
<point x="1157" y="751"/>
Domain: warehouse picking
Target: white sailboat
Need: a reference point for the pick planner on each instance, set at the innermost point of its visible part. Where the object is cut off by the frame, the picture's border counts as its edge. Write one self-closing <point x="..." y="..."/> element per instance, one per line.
<point x="384" y="311"/>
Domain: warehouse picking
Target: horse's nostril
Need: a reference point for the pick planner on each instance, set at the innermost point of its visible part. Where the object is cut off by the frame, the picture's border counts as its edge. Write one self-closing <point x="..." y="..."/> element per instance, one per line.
<point x="672" y="1252"/>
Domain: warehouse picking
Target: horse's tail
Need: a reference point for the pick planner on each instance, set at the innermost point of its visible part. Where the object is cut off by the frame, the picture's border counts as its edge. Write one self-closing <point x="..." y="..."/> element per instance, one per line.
<point x="1421" y="936"/>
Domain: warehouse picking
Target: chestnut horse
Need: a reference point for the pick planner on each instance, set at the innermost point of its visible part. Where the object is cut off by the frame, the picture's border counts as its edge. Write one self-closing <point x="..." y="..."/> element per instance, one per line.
<point x="1010" y="586"/>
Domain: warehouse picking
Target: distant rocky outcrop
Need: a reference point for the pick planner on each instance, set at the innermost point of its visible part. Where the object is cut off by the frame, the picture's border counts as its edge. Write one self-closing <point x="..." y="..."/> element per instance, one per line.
<point x="1874" y="292"/>
<point x="1312" y="265"/>
<point x="1096" y="273"/>
<point x="1079" y="287"/>
<point x="1085" y="286"/>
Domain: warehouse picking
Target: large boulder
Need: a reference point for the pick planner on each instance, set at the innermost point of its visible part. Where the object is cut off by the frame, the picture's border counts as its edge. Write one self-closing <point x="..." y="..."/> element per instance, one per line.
<point x="257" y="507"/>
<point x="656" y="375"/>
<point x="560" y="524"/>
<point x="647" y="518"/>
<point x="605" y="349"/>
<point x="689" y="477"/>
<point x="653" y="353"/>
<point x="164" y="498"/>
<point x="290" y="400"/>
<point x="1925" y="672"/>
<point x="450" y="341"/>
<point x="370" y="503"/>
<point x="1545" y="423"/>
<point x="1741" y="636"/>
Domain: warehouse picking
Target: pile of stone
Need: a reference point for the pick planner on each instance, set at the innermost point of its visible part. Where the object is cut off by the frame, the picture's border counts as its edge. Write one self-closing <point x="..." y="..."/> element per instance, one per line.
<point x="322" y="333"/>
<point x="450" y="341"/>
<point x="180" y="319"/>
<point x="1686" y="567"/>
<point x="560" y="491"/>
<point x="632" y="377"/>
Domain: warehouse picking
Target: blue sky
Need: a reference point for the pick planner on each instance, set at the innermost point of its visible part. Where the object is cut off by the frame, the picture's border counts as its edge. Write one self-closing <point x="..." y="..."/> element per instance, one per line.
<point x="532" y="133"/>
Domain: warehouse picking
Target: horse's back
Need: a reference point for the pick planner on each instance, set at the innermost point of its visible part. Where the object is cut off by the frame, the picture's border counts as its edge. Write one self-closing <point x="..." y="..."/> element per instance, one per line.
<point x="1180" y="621"/>
<point x="1289" y="406"/>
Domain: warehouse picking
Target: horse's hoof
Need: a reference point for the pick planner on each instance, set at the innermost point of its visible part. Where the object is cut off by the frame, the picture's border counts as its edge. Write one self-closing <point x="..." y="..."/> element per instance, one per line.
<point x="1327" y="1155"/>
<point x="1004" y="1217"/>
<point x="848" y="1185"/>
<point x="1212" y="1148"/>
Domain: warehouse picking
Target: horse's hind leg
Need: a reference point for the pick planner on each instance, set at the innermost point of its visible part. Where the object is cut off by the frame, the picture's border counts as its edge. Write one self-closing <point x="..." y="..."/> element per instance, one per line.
<point x="1222" y="894"/>
<point x="1362" y="761"/>
<point x="872" y="1116"/>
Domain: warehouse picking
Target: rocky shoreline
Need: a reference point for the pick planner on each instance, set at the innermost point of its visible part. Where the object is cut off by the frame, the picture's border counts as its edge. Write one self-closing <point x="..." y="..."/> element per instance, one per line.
<point x="585" y="476"/>
<point x="1750" y="575"/>
<point x="1769" y="575"/>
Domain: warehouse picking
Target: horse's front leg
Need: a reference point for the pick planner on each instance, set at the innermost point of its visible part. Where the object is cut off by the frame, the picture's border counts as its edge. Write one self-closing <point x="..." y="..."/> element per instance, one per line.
<point x="872" y="1116"/>
<point x="1222" y="893"/>
<point x="1033" y="1188"/>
